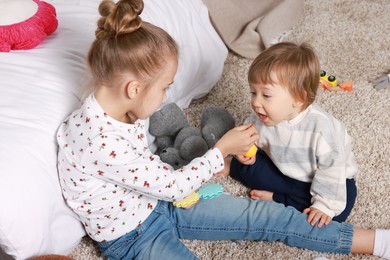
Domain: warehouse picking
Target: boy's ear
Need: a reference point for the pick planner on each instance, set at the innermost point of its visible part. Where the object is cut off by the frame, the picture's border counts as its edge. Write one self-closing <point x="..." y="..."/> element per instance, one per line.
<point x="132" y="88"/>
<point x="298" y="103"/>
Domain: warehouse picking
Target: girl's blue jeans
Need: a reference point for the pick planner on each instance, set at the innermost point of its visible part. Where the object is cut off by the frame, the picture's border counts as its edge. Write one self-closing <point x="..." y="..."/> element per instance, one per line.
<point x="225" y="218"/>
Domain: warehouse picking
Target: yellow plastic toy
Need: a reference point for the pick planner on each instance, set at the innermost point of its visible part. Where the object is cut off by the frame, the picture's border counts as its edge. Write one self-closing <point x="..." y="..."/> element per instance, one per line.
<point x="330" y="83"/>
<point x="252" y="151"/>
<point x="188" y="201"/>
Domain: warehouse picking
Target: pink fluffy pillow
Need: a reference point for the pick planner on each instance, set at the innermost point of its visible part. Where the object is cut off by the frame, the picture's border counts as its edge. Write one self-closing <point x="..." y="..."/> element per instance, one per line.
<point x="28" y="33"/>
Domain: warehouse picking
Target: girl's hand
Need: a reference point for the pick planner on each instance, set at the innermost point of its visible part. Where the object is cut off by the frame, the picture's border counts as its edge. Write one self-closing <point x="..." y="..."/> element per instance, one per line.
<point x="245" y="159"/>
<point x="238" y="140"/>
<point x="226" y="170"/>
<point x="316" y="215"/>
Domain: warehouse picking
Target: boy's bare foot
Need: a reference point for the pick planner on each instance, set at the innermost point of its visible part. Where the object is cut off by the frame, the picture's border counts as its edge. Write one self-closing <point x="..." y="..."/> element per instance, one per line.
<point x="223" y="173"/>
<point x="261" y="195"/>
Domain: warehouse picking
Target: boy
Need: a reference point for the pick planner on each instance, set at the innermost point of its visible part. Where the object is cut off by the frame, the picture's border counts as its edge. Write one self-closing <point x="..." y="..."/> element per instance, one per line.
<point x="305" y="159"/>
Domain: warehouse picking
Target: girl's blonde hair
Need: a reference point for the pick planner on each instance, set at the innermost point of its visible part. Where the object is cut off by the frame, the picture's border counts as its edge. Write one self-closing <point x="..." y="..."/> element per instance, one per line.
<point x="126" y="44"/>
<point x="296" y="67"/>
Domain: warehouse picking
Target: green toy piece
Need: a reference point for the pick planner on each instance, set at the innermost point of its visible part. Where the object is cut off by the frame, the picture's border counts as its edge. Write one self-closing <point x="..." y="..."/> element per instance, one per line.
<point x="210" y="191"/>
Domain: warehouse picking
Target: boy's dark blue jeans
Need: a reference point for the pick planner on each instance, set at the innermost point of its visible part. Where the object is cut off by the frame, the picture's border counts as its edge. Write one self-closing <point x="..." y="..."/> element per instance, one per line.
<point x="264" y="175"/>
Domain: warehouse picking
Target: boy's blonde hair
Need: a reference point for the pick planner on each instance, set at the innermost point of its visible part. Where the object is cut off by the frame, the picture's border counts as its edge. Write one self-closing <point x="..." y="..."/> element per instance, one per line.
<point x="125" y="44"/>
<point x="296" y="67"/>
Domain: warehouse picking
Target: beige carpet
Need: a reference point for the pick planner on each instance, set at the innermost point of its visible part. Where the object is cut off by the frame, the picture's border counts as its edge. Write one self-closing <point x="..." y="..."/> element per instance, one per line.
<point x="353" y="40"/>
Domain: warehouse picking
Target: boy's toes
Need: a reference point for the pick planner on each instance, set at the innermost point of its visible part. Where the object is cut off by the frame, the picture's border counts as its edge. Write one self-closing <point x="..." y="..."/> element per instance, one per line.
<point x="261" y="195"/>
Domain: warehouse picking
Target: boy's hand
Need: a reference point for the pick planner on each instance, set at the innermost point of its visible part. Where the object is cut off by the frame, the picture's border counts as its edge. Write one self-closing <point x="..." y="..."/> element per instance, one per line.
<point x="316" y="215"/>
<point x="246" y="160"/>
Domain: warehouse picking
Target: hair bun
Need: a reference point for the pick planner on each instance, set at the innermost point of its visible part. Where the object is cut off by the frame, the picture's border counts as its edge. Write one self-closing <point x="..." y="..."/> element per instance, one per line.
<point x="120" y="18"/>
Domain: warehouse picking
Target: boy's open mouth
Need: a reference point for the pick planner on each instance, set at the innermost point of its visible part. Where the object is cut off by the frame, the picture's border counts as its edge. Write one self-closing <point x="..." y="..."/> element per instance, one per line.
<point x="262" y="117"/>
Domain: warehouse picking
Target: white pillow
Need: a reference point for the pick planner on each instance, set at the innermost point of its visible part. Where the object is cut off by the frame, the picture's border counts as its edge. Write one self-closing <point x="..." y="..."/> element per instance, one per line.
<point x="41" y="86"/>
<point x="202" y="52"/>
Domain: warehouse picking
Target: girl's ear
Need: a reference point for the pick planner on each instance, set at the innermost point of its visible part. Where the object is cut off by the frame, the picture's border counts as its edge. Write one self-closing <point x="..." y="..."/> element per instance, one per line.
<point x="132" y="89"/>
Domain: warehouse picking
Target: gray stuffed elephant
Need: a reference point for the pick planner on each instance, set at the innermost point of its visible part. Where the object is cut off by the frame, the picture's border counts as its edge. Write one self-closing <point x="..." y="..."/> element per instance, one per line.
<point x="177" y="142"/>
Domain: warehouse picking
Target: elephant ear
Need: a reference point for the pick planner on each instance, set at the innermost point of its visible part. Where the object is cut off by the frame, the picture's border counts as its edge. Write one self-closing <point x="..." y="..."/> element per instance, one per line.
<point x="215" y="122"/>
<point x="25" y="24"/>
<point x="167" y="121"/>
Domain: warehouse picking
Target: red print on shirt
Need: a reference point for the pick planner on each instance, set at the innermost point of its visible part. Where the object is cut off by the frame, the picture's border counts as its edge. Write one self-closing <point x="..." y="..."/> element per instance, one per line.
<point x="113" y="154"/>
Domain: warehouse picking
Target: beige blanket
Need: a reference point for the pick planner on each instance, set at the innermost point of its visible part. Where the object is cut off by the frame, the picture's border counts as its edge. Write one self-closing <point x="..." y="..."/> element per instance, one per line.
<point x="249" y="26"/>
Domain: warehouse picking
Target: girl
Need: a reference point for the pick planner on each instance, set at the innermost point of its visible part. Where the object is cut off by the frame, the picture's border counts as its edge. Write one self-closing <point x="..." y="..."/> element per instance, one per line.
<point x="123" y="193"/>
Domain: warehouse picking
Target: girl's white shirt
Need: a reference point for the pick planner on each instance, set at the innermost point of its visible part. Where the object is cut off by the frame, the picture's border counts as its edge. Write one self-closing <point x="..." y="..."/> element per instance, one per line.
<point x="112" y="180"/>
